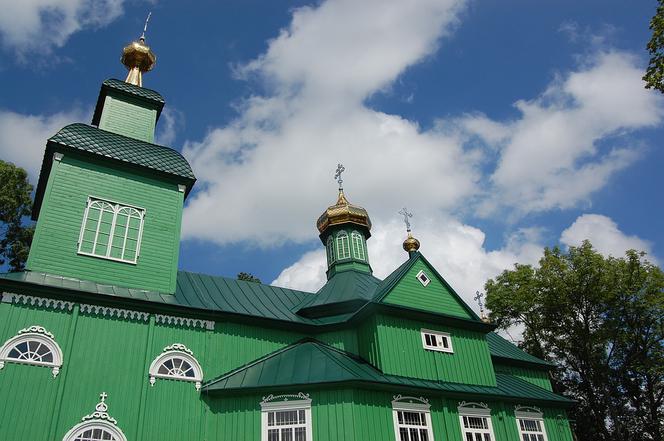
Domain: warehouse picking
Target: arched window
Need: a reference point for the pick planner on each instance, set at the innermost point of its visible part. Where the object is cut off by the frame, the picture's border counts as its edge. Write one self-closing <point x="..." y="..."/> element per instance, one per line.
<point x="357" y="242"/>
<point x="176" y="363"/>
<point x="330" y="250"/>
<point x="343" y="247"/>
<point x="111" y="231"/>
<point x="96" y="426"/>
<point x="33" y="345"/>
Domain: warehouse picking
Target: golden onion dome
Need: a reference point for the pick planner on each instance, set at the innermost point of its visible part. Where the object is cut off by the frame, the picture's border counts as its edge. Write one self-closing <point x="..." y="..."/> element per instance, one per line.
<point x="343" y="212"/>
<point x="138" y="58"/>
<point x="411" y="244"/>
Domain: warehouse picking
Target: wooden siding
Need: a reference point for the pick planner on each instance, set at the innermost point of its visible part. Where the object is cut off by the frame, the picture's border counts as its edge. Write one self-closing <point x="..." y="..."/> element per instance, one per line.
<point x="538" y="377"/>
<point x="435" y="297"/>
<point x="396" y="348"/>
<point x="345" y="339"/>
<point x="55" y="245"/>
<point x="128" y="117"/>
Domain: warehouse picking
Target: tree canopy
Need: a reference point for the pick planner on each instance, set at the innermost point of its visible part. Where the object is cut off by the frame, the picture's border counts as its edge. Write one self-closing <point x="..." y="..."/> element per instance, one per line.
<point x="600" y="319"/>
<point x="248" y="277"/>
<point x="654" y="76"/>
<point x="15" y="205"/>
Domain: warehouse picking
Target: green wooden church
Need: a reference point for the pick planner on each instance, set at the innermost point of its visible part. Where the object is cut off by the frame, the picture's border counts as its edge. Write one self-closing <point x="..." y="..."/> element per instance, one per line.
<point x="102" y="338"/>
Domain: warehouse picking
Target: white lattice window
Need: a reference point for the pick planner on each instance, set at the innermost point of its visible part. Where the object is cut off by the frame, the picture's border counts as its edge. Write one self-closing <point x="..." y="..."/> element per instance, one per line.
<point x="530" y="422"/>
<point x="475" y="419"/>
<point x="286" y="418"/>
<point x="357" y="241"/>
<point x="111" y="231"/>
<point x="35" y="346"/>
<point x="330" y="250"/>
<point x="176" y="363"/>
<point x="437" y="341"/>
<point x="343" y="246"/>
<point x="412" y="419"/>
<point x="96" y="426"/>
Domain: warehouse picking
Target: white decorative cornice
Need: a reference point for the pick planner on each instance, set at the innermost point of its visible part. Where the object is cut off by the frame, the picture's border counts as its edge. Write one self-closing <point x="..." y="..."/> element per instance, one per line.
<point x="410" y="399"/>
<point x="114" y="312"/>
<point x="473" y="404"/>
<point x="44" y="302"/>
<point x="184" y="321"/>
<point x="178" y="347"/>
<point x="100" y="412"/>
<point x="521" y="408"/>
<point x="36" y="330"/>
<point x="287" y="397"/>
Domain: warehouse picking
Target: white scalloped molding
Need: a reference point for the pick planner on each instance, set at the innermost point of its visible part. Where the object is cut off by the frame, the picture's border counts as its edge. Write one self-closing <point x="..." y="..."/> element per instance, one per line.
<point x="21" y="299"/>
<point x="114" y="312"/>
<point x="184" y="321"/>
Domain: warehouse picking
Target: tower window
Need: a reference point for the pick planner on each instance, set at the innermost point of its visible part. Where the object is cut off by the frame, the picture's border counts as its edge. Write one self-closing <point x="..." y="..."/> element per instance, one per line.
<point x="111" y="231"/>
<point x="423" y="278"/>
<point x="330" y="250"/>
<point x="437" y="341"/>
<point x="343" y="246"/>
<point x="358" y="245"/>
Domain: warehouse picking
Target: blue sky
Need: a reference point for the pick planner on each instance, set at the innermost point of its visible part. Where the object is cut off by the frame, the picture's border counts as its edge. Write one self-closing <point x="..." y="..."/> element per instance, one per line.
<point x="505" y="126"/>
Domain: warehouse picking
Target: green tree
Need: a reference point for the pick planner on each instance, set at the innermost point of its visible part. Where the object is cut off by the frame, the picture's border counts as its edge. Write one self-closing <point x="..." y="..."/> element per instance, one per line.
<point x="15" y="205"/>
<point x="248" y="277"/>
<point x="654" y="76"/>
<point x="601" y="321"/>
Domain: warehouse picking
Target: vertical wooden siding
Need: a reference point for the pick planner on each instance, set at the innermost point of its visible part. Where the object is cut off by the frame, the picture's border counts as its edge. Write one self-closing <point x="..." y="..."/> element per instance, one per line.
<point x="128" y="117"/>
<point x="538" y="377"/>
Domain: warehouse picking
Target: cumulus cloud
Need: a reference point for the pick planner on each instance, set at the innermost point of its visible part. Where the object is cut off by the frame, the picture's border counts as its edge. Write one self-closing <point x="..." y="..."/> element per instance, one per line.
<point x="43" y="24"/>
<point x="23" y="137"/>
<point x="605" y="236"/>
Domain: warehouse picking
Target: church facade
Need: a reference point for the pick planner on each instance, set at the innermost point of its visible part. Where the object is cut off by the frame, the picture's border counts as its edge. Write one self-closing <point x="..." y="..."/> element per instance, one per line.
<point x="103" y="338"/>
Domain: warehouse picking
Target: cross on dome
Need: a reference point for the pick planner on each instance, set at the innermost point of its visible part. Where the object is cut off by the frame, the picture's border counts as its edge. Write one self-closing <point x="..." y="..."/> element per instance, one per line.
<point x="406" y="215"/>
<point x="337" y="175"/>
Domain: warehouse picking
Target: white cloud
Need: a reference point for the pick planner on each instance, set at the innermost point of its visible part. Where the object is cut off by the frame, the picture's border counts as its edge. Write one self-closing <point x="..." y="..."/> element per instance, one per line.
<point x="23" y="137"/>
<point x="40" y="25"/>
<point x="455" y="249"/>
<point x="170" y="122"/>
<point x="605" y="236"/>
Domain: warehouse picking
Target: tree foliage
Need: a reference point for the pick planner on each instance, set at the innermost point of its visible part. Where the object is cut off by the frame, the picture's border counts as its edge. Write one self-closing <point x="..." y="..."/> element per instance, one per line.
<point x="248" y="277"/>
<point x="15" y="205"/>
<point x="601" y="321"/>
<point x="654" y="76"/>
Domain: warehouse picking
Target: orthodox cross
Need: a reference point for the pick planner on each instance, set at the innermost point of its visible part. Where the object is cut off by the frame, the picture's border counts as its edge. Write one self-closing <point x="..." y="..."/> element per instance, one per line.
<point x="478" y="298"/>
<point x="145" y="28"/>
<point x="404" y="212"/>
<point x="103" y="396"/>
<point x="337" y="175"/>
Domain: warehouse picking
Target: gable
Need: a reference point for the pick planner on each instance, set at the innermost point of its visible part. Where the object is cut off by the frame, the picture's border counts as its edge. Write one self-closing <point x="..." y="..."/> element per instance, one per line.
<point x="437" y="296"/>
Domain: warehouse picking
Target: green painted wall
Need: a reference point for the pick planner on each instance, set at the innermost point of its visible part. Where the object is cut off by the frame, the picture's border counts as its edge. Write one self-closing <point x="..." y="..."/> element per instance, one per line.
<point x="129" y="117"/>
<point x="55" y="245"/>
<point x="538" y="377"/>
<point x="345" y="339"/>
<point x="435" y="297"/>
<point x="394" y="345"/>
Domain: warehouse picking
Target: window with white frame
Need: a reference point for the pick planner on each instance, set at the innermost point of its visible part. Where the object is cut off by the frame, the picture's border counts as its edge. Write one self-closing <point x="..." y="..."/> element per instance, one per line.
<point x="33" y="345"/>
<point x="475" y="420"/>
<point x="530" y="422"/>
<point x="343" y="246"/>
<point x="412" y="419"/>
<point x="330" y="250"/>
<point x="97" y="426"/>
<point x="286" y="418"/>
<point x="423" y="278"/>
<point x="176" y="362"/>
<point x="111" y="231"/>
<point x="436" y="341"/>
<point x="358" y="245"/>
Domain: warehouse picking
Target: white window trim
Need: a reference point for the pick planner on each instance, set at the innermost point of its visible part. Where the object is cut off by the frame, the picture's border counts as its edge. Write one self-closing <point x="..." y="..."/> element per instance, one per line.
<point x="302" y="403"/>
<point x="180" y="351"/>
<point x="478" y="410"/>
<point x="117" y="206"/>
<point x="99" y="419"/>
<point x="358" y="246"/>
<point x="529" y="413"/>
<point x="422" y="273"/>
<point x="449" y="349"/>
<point x="340" y="248"/>
<point x="406" y="404"/>
<point x="32" y="333"/>
<point x="329" y="248"/>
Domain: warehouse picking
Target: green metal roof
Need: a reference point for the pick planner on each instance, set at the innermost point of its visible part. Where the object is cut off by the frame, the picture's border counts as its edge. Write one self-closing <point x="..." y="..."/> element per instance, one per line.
<point x="149" y="96"/>
<point x="313" y="362"/>
<point x="501" y="348"/>
<point x="351" y="288"/>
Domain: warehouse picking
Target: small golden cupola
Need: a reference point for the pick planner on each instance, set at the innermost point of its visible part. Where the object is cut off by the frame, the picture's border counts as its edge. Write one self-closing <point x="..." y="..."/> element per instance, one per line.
<point x="411" y="244"/>
<point x="138" y="58"/>
<point x="344" y="229"/>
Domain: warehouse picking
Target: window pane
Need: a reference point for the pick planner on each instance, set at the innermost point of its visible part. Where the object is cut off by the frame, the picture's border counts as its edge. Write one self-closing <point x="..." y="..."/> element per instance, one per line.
<point x="424" y="435"/>
<point x="286" y="434"/>
<point x="300" y="434"/>
<point x="273" y="435"/>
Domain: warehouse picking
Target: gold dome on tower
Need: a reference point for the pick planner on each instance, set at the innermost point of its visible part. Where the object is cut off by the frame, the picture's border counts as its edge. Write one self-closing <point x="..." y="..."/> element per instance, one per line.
<point x="343" y="212"/>
<point x="138" y="58"/>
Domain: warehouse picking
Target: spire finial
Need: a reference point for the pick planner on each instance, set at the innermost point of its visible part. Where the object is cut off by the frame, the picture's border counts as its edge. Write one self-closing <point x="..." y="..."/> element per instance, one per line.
<point x="138" y="58"/>
<point x="410" y="244"/>
<point x="145" y="28"/>
<point x="337" y="176"/>
<point x="478" y="298"/>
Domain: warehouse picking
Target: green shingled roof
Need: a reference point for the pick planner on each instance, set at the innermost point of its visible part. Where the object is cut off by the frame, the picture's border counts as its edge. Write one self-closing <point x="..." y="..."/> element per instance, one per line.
<point x="313" y="362"/>
<point x="501" y="348"/>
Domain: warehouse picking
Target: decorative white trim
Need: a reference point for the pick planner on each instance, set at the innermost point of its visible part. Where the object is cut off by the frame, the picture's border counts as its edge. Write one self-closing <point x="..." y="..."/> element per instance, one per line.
<point x="534" y="414"/>
<point x="182" y="188"/>
<point x="57" y="156"/>
<point x="407" y="404"/>
<point x="107" y="311"/>
<point x="440" y="339"/>
<point x="99" y="419"/>
<point x="283" y="403"/>
<point x="423" y="280"/>
<point x="43" y="302"/>
<point x="475" y="410"/>
<point x="340" y="237"/>
<point x="33" y="333"/>
<point x="184" y="321"/>
<point x="176" y="350"/>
